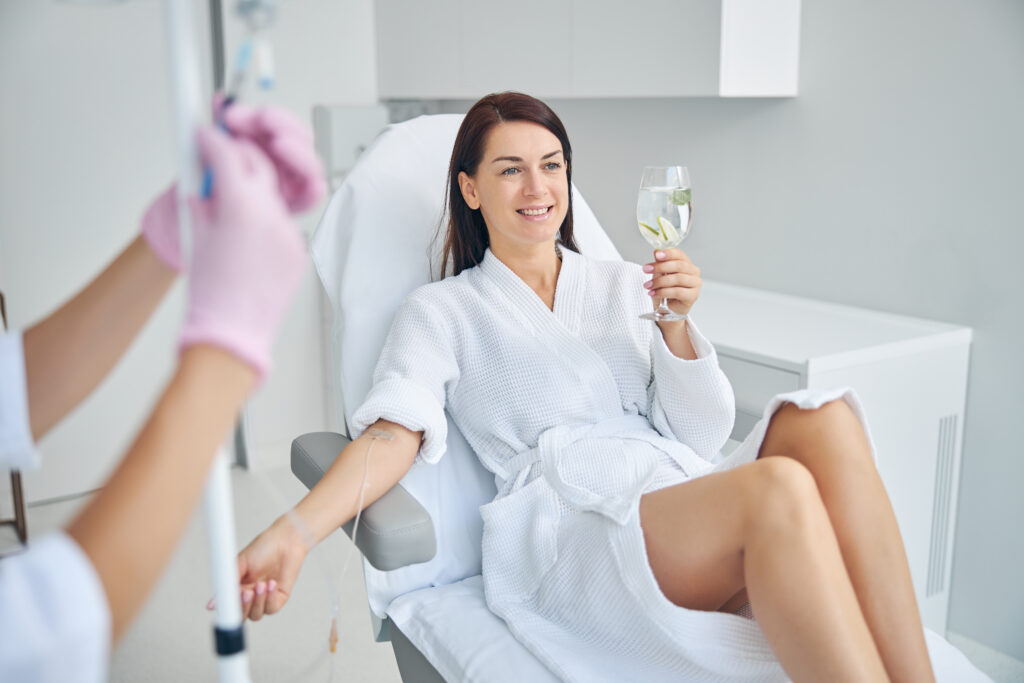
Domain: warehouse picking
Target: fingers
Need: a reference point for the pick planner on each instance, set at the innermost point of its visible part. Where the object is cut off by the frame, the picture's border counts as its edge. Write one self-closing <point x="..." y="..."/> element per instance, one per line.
<point x="221" y="154"/>
<point x="266" y="122"/>
<point x="673" y="276"/>
<point x="301" y="172"/>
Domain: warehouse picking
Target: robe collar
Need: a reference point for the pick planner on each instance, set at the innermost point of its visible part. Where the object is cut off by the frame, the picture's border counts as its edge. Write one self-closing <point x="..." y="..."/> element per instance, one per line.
<point x="569" y="289"/>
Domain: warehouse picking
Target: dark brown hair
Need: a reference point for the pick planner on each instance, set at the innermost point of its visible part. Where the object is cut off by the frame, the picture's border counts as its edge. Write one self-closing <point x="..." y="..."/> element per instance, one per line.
<point x="467" y="239"/>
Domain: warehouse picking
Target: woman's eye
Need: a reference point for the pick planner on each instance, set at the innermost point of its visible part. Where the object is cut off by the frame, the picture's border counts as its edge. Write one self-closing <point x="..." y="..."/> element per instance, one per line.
<point x="553" y="166"/>
<point x="512" y="170"/>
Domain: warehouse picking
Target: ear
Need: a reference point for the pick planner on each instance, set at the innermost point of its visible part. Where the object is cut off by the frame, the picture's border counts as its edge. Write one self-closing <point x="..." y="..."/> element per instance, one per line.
<point x="468" y="188"/>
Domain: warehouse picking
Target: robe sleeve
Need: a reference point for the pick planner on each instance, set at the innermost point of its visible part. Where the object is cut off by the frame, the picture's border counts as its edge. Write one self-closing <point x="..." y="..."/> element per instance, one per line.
<point x="691" y="400"/>
<point x="416" y="369"/>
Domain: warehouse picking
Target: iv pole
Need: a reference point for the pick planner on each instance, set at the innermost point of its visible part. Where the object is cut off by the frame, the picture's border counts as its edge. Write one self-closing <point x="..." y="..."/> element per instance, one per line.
<point x="232" y="659"/>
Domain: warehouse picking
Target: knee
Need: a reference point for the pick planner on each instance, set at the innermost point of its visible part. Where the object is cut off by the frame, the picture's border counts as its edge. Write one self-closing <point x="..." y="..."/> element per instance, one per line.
<point x="832" y="430"/>
<point x="784" y="495"/>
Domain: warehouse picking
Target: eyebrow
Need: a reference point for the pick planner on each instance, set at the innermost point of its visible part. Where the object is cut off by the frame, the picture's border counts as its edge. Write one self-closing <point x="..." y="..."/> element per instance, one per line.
<point x="519" y="159"/>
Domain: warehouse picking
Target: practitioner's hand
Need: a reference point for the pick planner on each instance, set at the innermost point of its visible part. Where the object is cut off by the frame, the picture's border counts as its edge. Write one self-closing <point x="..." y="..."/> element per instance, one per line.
<point x="268" y="567"/>
<point x="287" y="142"/>
<point x="248" y="255"/>
<point x="674" y="277"/>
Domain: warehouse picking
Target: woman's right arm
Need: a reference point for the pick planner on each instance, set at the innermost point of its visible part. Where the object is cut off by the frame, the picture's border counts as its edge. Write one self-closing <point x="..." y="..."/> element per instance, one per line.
<point x="269" y="565"/>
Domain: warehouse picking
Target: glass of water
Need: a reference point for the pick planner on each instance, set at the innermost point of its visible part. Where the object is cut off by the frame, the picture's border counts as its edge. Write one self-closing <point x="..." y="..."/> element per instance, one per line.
<point x="664" y="215"/>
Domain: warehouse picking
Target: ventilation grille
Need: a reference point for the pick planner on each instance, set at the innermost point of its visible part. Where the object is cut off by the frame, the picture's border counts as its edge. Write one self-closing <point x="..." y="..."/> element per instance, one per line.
<point x="941" y="505"/>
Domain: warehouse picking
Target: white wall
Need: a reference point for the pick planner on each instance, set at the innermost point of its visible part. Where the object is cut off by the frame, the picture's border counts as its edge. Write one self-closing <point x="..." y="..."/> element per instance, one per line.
<point x="85" y="137"/>
<point x="893" y="181"/>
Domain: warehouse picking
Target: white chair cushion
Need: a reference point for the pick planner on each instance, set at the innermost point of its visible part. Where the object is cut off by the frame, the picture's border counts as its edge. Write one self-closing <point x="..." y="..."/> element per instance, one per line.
<point x="380" y="238"/>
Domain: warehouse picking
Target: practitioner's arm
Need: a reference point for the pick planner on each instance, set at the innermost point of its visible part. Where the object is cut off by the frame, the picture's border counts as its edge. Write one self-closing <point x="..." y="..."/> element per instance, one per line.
<point x="269" y="565"/>
<point x="131" y="527"/>
<point x="247" y="264"/>
<point x="68" y="353"/>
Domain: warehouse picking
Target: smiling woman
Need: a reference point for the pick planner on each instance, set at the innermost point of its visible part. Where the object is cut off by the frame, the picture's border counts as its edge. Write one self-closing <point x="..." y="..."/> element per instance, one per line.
<point x="512" y="153"/>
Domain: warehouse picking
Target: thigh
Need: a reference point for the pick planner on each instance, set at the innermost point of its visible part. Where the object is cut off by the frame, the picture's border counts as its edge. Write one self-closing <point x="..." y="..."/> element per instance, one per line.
<point x="694" y="537"/>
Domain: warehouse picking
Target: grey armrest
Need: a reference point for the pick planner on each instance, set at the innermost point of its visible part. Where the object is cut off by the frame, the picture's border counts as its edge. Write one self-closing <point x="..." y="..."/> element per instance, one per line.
<point x="393" y="532"/>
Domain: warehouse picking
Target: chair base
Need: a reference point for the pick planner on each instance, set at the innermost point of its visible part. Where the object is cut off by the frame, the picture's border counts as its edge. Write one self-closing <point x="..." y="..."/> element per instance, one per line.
<point x="412" y="665"/>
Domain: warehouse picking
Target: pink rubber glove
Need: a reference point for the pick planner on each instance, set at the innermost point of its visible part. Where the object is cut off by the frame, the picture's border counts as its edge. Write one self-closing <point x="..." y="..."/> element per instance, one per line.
<point x="285" y="140"/>
<point x="160" y="228"/>
<point x="248" y="254"/>
<point x="289" y="144"/>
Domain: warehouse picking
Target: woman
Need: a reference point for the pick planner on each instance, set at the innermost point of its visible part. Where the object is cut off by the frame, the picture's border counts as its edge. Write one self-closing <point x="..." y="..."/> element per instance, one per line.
<point x="616" y="532"/>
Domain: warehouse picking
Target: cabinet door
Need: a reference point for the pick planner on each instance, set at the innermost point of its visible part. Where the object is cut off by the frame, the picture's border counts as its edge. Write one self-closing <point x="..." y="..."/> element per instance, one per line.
<point x="418" y="51"/>
<point x="521" y="45"/>
<point x="645" y="48"/>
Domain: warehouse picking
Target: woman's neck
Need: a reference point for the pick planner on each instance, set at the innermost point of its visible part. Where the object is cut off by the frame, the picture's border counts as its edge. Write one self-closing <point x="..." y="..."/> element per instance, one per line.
<point x="537" y="265"/>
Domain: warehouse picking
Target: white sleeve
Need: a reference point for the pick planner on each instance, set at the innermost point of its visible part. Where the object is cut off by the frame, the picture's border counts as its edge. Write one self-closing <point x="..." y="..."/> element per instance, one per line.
<point x="416" y="369"/>
<point x="691" y="400"/>
<point x="54" y="617"/>
<point x="17" y="449"/>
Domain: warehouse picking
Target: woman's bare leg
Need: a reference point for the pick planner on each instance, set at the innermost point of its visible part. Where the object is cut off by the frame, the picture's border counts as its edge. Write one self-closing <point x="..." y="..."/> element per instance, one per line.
<point x="763" y="525"/>
<point x="831" y="443"/>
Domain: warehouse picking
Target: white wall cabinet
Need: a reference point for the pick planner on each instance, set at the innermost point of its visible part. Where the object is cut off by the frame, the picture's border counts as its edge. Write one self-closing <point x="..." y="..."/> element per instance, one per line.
<point x="462" y="49"/>
<point x="911" y="376"/>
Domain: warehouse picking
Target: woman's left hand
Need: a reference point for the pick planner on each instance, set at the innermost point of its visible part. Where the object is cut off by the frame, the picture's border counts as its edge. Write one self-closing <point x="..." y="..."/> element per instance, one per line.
<point x="673" y="277"/>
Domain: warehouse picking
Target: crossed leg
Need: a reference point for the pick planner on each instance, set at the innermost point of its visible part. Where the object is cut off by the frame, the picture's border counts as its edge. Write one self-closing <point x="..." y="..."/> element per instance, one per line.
<point x="808" y="532"/>
<point x="830" y="442"/>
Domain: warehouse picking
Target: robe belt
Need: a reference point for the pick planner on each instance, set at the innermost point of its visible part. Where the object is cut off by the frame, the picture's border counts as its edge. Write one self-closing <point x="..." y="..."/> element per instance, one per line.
<point x="551" y="446"/>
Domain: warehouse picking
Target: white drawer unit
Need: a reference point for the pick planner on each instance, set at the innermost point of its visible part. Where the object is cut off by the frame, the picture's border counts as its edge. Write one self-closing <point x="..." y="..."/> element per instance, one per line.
<point x="911" y="376"/>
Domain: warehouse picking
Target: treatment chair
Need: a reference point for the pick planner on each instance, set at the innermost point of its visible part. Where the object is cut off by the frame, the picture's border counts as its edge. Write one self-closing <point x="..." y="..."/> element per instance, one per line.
<point x="379" y="239"/>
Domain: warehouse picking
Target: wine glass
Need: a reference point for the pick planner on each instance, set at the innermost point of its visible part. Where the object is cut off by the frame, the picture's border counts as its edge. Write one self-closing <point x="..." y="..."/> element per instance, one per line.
<point x="663" y="214"/>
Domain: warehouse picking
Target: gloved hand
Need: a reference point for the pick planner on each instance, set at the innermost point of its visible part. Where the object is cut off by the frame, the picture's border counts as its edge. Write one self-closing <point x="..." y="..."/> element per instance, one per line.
<point x="282" y="137"/>
<point x="288" y="142"/>
<point x="248" y="255"/>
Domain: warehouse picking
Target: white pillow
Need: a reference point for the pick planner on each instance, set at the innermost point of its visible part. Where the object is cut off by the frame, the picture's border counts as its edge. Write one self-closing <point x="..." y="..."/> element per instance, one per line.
<point x="378" y="240"/>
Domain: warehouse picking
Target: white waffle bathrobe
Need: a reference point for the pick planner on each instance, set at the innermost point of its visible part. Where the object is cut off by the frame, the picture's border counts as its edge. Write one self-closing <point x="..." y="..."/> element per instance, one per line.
<point x="577" y="411"/>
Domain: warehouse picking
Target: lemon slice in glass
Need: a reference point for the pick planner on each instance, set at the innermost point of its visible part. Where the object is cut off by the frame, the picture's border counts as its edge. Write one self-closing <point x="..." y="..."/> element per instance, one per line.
<point x="668" y="231"/>
<point x="653" y="231"/>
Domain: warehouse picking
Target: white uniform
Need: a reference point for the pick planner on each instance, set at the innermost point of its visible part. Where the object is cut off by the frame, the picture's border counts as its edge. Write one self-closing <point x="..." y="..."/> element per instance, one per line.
<point x="578" y="411"/>
<point x="54" y="617"/>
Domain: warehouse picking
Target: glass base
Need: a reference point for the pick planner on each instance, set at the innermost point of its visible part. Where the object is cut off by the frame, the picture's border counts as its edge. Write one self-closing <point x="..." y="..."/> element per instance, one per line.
<point x="660" y="316"/>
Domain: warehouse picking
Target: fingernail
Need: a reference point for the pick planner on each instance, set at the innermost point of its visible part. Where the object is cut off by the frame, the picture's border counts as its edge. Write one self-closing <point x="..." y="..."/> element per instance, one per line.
<point x="210" y="605"/>
<point x="261" y="588"/>
<point x="247" y="596"/>
<point x="272" y="586"/>
<point x="659" y="254"/>
<point x="649" y="284"/>
<point x="648" y="269"/>
<point x="652" y="292"/>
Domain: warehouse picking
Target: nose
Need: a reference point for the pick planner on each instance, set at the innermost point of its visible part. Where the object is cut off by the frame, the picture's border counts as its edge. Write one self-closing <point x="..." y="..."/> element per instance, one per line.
<point x="534" y="186"/>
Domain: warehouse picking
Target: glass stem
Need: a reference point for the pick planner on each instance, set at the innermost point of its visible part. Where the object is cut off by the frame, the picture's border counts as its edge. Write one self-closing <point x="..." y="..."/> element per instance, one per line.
<point x="663" y="308"/>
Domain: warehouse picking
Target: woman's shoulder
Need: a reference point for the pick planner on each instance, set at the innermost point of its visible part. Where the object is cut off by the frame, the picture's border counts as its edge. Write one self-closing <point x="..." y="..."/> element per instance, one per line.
<point x="442" y="300"/>
<point x="443" y="291"/>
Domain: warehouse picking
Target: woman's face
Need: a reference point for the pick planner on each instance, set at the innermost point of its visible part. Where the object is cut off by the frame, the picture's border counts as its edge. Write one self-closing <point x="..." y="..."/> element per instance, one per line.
<point x="520" y="186"/>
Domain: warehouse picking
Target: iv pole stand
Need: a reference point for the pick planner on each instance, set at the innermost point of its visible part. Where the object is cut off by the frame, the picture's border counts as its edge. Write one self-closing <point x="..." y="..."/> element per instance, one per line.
<point x="232" y="659"/>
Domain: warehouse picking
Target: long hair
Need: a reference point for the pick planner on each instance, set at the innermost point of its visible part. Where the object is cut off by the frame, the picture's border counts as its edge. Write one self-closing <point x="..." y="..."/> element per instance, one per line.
<point x="467" y="238"/>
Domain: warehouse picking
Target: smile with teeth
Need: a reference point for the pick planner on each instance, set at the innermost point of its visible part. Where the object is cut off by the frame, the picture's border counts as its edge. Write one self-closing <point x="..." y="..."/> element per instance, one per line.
<point x="534" y="212"/>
